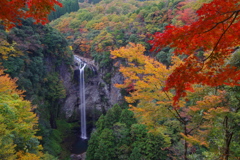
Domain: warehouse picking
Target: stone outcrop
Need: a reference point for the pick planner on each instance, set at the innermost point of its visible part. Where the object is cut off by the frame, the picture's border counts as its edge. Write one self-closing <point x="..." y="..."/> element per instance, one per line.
<point x="78" y="156"/>
<point x="99" y="95"/>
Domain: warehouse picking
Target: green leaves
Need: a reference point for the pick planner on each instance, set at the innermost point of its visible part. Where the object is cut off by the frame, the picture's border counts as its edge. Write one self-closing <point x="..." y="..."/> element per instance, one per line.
<point x="122" y="138"/>
<point x="18" y="123"/>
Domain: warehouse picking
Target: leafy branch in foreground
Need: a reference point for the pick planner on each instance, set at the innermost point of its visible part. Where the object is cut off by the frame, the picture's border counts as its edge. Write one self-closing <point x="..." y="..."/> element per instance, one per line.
<point x="12" y="11"/>
<point x="216" y="32"/>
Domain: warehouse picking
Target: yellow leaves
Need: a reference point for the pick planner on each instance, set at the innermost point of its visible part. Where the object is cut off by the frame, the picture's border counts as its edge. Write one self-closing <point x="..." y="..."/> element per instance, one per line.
<point x="211" y="104"/>
<point x="140" y="66"/>
<point x="212" y="113"/>
<point x="27" y="156"/>
<point x="136" y="109"/>
<point x="197" y="4"/>
<point x="129" y="99"/>
<point x="7" y="50"/>
<point x="104" y="19"/>
<point x="63" y="26"/>
<point x="209" y="101"/>
<point x="131" y="52"/>
<point x="129" y="72"/>
<point x="147" y="74"/>
<point x="148" y="77"/>
<point x="195" y="140"/>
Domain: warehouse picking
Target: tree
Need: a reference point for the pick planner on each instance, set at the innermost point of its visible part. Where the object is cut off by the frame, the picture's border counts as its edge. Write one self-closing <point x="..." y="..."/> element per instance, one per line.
<point x="106" y="145"/>
<point x="7" y="50"/>
<point x="12" y="11"/>
<point x="18" y="123"/>
<point x="93" y="145"/>
<point x="219" y="114"/>
<point x="124" y="138"/>
<point x="112" y="116"/>
<point x="216" y="32"/>
<point x="127" y="117"/>
<point x="185" y="15"/>
<point x="202" y="116"/>
<point x="68" y="6"/>
<point x="154" y="105"/>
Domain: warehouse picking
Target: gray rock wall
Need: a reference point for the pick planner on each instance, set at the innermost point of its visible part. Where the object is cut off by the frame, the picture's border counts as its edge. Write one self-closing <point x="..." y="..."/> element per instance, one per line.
<point x="99" y="95"/>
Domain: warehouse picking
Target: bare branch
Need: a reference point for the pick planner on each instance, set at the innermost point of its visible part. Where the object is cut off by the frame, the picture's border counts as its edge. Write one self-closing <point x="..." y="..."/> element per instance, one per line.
<point x="220" y="22"/>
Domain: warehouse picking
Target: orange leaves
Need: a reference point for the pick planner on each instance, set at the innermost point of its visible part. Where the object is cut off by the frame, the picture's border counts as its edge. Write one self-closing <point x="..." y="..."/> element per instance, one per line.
<point x="99" y="26"/>
<point x="83" y="46"/>
<point x="12" y="11"/>
<point x="8" y="85"/>
<point x="216" y="31"/>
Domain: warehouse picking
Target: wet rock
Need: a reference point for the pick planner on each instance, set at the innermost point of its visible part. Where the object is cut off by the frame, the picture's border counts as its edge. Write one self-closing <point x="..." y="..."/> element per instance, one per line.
<point x="99" y="95"/>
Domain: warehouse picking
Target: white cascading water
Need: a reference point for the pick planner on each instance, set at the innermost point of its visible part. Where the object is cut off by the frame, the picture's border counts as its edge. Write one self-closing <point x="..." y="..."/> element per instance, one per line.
<point x="82" y="105"/>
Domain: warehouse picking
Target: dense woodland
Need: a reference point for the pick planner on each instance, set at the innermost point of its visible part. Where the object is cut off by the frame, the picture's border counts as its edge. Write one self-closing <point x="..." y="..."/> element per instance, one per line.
<point x="180" y="63"/>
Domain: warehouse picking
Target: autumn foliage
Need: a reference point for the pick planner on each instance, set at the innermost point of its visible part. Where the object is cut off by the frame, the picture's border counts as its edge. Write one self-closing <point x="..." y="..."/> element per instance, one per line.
<point x="216" y="33"/>
<point x="185" y="15"/>
<point x="206" y="117"/>
<point x="12" y="10"/>
<point x="17" y="122"/>
<point x="154" y="105"/>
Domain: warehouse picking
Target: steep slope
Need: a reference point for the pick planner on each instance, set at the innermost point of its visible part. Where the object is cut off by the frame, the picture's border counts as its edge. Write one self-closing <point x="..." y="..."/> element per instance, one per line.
<point x="39" y="56"/>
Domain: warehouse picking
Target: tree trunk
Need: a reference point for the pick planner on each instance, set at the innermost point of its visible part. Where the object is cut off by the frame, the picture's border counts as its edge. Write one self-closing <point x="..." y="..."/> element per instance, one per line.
<point x="53" y="121"/>
<point x="53" y="114"/>
<point x="228" y="138"/>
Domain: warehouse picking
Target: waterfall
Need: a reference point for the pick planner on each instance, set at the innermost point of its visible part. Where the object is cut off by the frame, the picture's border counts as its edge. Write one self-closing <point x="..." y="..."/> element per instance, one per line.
<point x="82" y="105"/>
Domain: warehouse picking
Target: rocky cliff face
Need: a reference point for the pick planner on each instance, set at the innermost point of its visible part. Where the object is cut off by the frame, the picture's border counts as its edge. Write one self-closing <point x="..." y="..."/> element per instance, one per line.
<point x="99" y="95"/>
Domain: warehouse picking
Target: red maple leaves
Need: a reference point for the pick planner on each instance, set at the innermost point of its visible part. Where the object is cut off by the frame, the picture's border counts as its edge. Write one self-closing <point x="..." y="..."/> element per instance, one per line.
<point x="217" y="33"/>
<point x="12" y="10"/>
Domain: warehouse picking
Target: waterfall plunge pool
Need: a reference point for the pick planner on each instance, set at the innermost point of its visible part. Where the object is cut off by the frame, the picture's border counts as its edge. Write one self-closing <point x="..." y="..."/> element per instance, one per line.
<point x="80" y="146"/>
